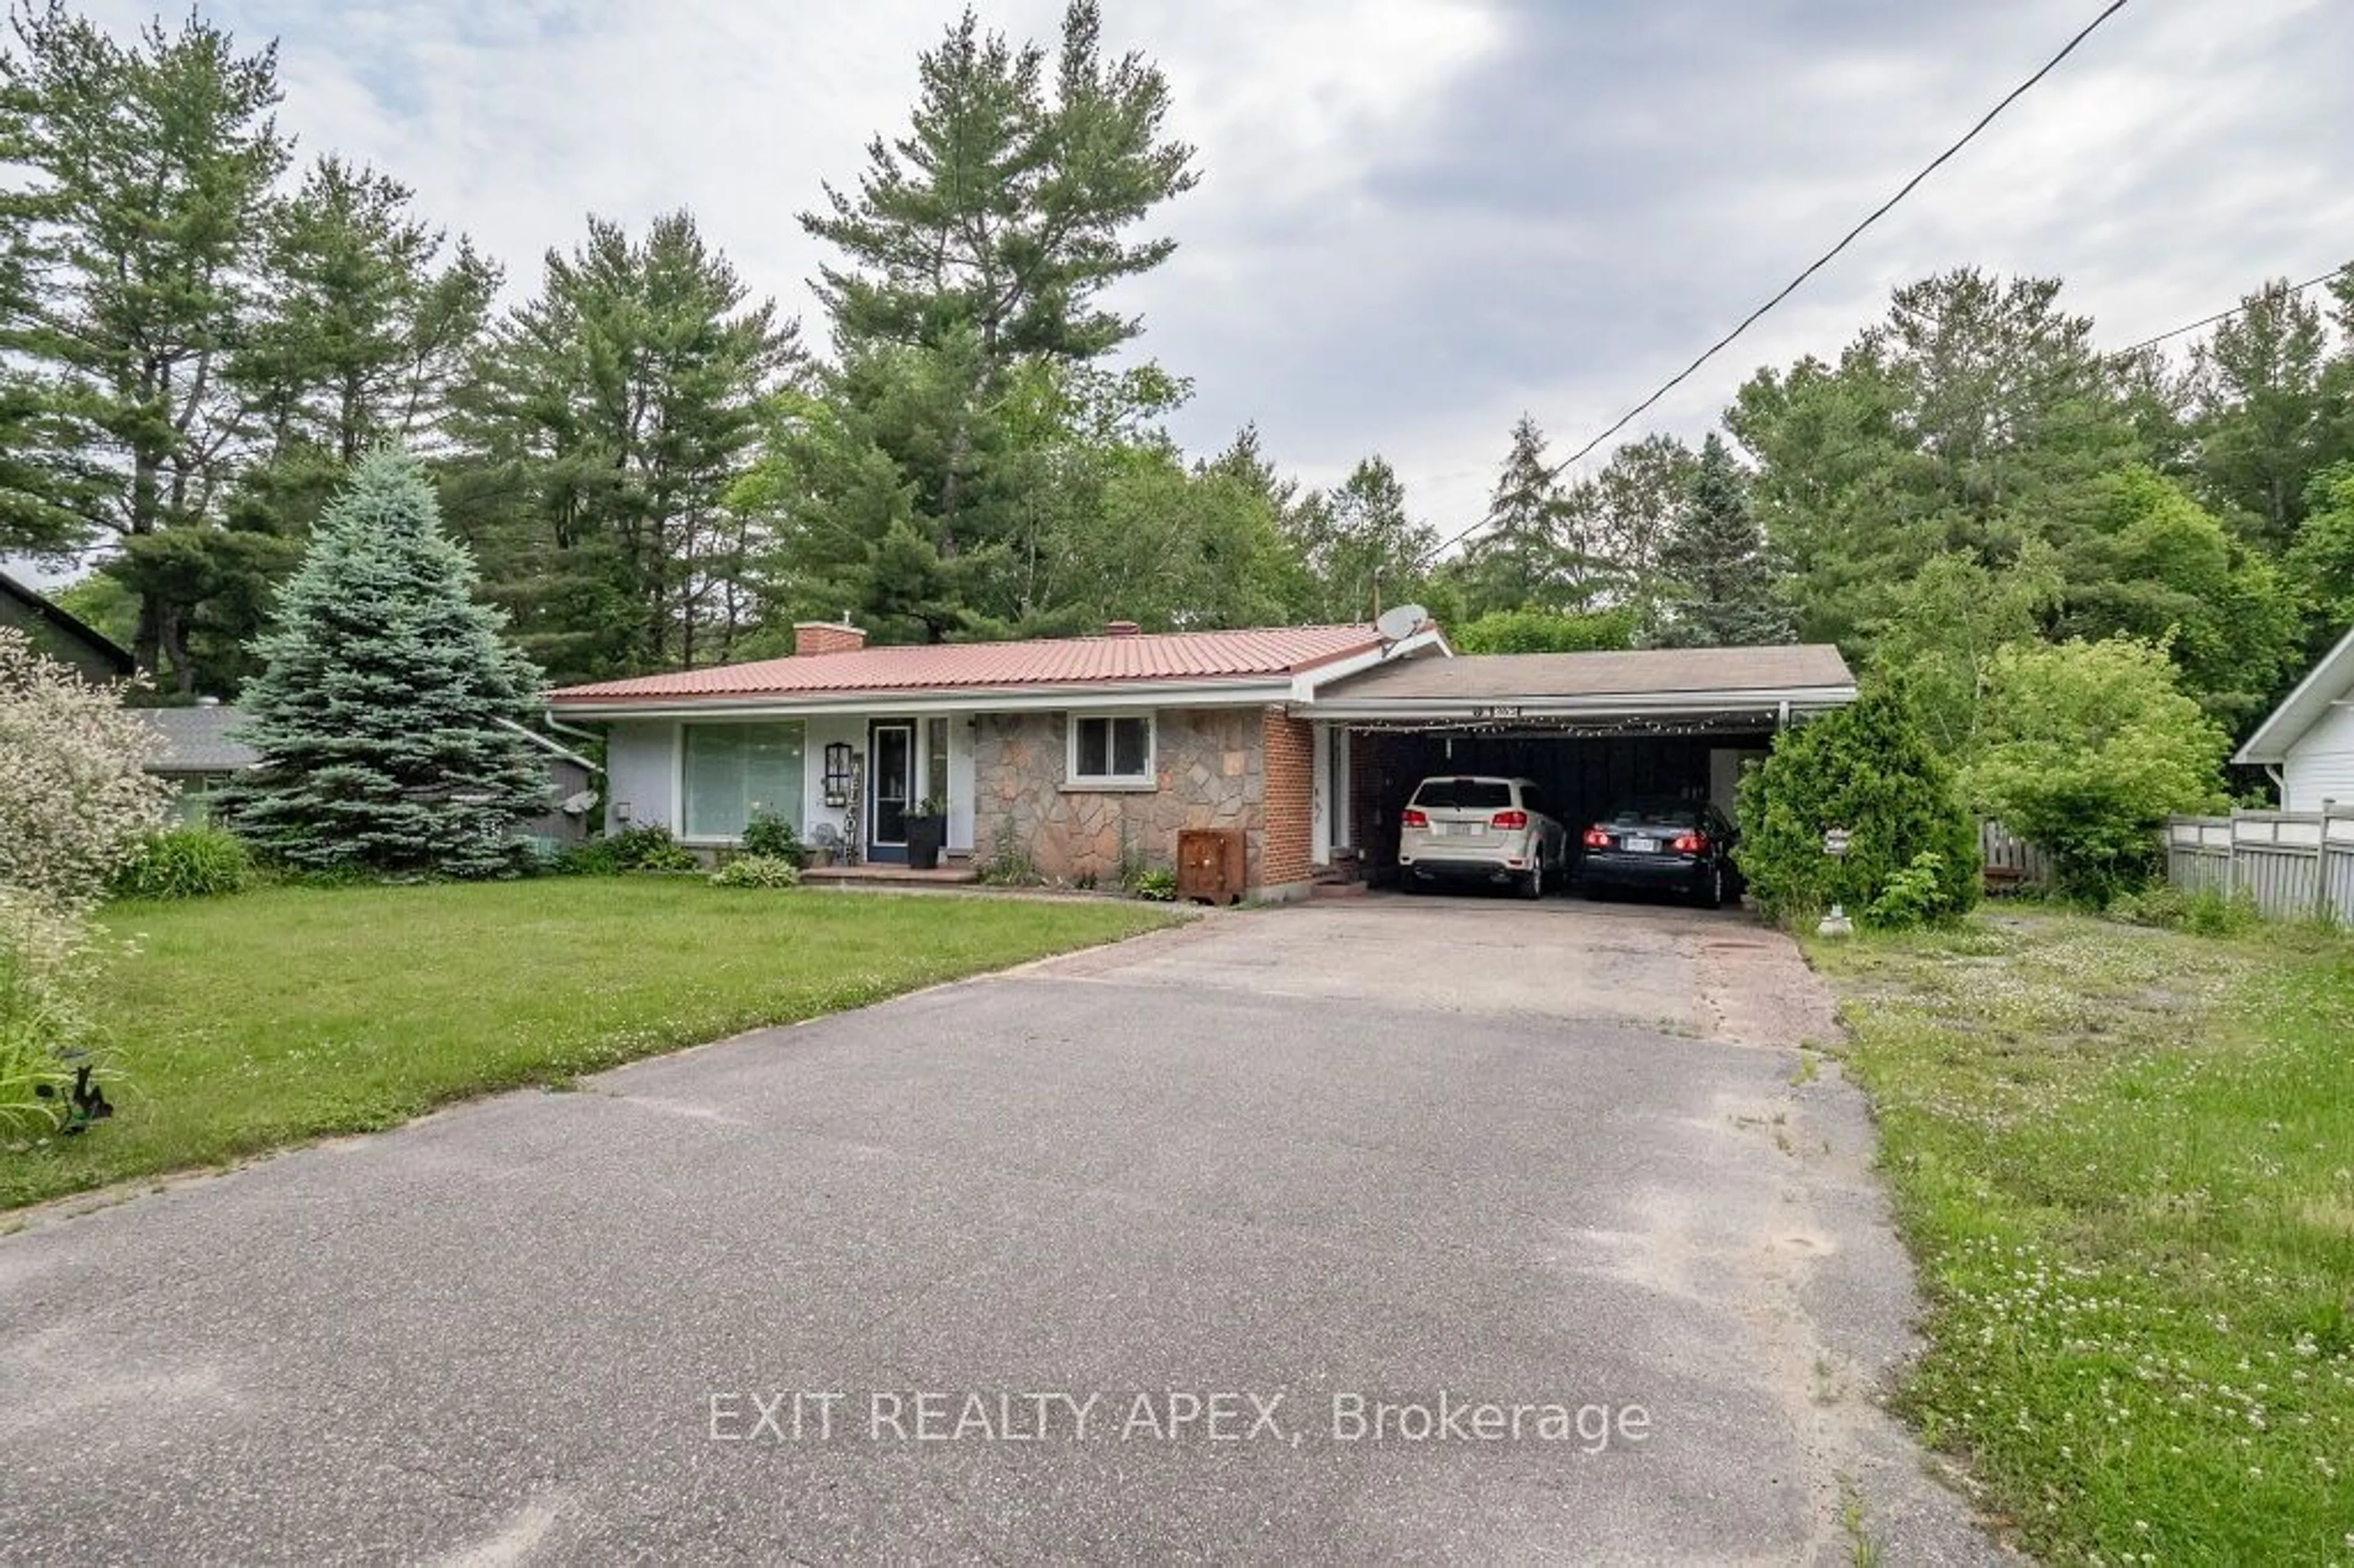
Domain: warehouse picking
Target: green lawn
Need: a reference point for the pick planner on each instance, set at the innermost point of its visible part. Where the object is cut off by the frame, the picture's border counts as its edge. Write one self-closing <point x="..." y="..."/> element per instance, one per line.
<point x="2125" y="1162"/>
<point x="244" y="1023"/>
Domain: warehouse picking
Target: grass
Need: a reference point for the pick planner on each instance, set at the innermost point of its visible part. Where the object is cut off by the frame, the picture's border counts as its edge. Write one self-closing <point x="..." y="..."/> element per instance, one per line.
<point x="245" y="1023"/>
<point x="2125" y="1159"/>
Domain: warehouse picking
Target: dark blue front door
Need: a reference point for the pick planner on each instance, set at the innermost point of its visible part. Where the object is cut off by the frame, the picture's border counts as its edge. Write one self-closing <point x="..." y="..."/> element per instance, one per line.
<point x="890" y="788"/>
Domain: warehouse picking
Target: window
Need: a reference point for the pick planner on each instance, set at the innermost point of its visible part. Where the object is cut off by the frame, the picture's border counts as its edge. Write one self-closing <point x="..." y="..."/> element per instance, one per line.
<point x="732" y="771"/>
<point x="936" y="762"/>
<point x="1464" y="794"/>
<point x="1111" y="749"/>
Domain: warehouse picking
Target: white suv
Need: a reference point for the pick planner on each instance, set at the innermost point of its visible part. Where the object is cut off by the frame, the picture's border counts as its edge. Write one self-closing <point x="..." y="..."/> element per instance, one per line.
<point x="1494" y="831"/>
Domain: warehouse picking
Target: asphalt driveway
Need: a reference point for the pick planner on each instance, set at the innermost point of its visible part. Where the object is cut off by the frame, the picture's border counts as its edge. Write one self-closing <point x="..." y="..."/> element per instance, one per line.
<point x="1379" y="1230"/>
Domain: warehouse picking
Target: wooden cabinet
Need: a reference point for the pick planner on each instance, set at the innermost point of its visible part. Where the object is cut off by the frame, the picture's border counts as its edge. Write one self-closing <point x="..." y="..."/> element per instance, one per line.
<point x="1210" y="864"/>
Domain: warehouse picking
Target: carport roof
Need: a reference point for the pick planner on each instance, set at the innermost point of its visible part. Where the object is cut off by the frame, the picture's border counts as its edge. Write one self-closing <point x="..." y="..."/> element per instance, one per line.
<point x="1809" y="677"/>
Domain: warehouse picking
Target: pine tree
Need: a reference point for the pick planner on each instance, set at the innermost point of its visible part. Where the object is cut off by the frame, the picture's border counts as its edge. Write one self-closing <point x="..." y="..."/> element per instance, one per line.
<point x="134" y="255"/>
<point x="1721" y="590"/>
<point x="378" y="714"/>
<point x="1522" y="561"/>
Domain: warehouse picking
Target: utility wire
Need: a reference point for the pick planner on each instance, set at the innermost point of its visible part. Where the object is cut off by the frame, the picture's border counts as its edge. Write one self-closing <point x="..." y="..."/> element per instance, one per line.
<point x="1815" y="266"/>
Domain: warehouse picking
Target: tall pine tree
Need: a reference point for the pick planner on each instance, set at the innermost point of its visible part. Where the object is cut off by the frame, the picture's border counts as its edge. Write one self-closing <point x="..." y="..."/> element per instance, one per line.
<point x="1722" y="587"/>
<point x="383" y="710"/>
<point x="133" y="232"/>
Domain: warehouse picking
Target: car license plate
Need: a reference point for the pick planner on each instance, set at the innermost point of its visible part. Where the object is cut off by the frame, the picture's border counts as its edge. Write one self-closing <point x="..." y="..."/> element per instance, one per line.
<point x="1452" y="829"/>
<point x="1643" y="846"/>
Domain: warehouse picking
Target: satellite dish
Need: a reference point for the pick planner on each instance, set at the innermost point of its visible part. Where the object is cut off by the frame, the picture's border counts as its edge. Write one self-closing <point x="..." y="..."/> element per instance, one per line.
<point x="577" y="805"/>
<point x="1397" y="625"/>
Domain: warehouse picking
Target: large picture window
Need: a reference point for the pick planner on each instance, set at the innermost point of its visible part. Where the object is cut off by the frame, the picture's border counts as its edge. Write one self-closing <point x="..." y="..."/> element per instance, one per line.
<point x="1111" y="749"/>
<point x="734" y="771"/>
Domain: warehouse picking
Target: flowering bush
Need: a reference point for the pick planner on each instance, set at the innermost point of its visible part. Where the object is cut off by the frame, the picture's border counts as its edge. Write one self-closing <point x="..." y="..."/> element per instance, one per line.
<point x="45" y="963"/>
<point x="74" y="801"/>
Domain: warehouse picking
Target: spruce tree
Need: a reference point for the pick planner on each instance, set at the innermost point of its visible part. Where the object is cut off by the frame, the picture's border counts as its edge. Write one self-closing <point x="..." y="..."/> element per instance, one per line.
<point x="1720" y="588"/>
<point x="378" y="712"/>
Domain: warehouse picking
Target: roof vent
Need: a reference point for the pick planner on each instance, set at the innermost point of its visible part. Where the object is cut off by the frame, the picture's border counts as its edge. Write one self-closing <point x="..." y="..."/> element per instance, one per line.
<point x="1121" y="628"/>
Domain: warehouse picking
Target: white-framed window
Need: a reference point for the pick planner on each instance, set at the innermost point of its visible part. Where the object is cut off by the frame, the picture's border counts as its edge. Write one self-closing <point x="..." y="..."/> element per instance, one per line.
<point x="1111" y="750"/>
<point x="732" y="772"/>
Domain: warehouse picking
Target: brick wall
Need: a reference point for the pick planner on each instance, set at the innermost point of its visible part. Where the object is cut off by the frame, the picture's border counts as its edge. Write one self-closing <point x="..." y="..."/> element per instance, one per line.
<point x="811" y="638"/>
<point x="1289" y="747"/>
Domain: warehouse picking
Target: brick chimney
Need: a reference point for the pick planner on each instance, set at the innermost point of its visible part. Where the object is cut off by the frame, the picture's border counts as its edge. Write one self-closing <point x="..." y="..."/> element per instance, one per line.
<point x="812" y="637"/>
<point x="1120" y="629"/>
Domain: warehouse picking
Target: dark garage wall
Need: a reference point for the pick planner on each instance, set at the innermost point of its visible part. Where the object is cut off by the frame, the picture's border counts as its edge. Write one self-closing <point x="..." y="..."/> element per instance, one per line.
<point x="1584" y="777"/>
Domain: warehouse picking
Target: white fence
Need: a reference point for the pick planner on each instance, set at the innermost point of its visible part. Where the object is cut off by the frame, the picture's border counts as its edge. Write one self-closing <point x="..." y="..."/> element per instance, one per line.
<point x="2295" y="865"/>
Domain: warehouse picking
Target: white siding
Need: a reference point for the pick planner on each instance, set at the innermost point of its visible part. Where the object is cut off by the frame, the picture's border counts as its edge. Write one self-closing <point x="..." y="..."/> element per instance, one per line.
<point x="823" y="733"/>
<point x="2321" y="764"/>
<point x="641" y="772"/>
<point x="960" y="778"/>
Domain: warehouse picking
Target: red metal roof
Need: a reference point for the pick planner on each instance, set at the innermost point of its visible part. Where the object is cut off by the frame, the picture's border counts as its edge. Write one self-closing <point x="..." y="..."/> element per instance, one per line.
<point x="1267" y="651"/>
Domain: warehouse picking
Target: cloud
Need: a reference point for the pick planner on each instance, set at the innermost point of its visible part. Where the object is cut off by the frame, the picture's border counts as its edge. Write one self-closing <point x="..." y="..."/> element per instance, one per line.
<point x="1420" y="218"/>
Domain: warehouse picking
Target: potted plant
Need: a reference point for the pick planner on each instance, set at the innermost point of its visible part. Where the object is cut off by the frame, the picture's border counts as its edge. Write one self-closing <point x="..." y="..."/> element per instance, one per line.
<point x="928" y="829"/>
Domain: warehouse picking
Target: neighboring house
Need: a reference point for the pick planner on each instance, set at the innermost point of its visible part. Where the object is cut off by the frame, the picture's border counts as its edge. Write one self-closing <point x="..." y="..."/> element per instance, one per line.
<point x="1071" y="752"/>
<point x="197" y="756"/>
<point x="2307" y="744"/>
<point x="201" y="754"/>
<point x="62" y="635"/>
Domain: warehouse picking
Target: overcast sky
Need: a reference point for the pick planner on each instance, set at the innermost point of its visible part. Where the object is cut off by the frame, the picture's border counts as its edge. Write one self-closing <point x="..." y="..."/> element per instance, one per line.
<point x="1418" y="219"/>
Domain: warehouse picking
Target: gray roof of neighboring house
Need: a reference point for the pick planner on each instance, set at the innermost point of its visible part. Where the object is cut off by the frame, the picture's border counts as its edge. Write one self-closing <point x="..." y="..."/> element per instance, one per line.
<point x="196" y="740"/>
<point x="1662" y="672"/>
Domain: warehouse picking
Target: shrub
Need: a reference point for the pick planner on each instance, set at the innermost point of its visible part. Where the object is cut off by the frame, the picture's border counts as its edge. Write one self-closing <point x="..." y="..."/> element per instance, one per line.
<point x="758" y="871"/>
<point x="2087" y="747"/>
<point x="1868" y="769"/>
<point x="632" y="849"/>
<point x="1909" y="898"/>
<point x="188" y="863"/>
<point x="1010" y="863"/>
<point x="771" y="836"/>
<point x="45" y="964"/>
<point x="1156" y="884"/>
<point x="2210" y="912"/>
<point x="74" y="799"/>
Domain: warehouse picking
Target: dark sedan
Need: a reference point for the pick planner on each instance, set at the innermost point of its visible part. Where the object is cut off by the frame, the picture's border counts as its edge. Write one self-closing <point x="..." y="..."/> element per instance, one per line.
<point x="1684" y="847"/>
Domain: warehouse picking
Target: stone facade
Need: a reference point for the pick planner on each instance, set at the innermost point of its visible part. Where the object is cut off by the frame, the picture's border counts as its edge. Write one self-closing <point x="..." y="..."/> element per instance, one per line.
<point x="1213" y="772"/>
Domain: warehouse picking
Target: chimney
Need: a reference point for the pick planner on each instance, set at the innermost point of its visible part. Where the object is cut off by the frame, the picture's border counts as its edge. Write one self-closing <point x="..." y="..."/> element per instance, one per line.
<point x="1120" y="629"/>
<point x="812" y="637"/>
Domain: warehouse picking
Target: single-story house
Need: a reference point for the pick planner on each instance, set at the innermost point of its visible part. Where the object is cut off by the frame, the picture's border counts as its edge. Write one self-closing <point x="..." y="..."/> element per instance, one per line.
<point x="198" y="754"/>
<point x="2307" y="746"/>
<point x="62" y="635"/>
<point x="1070" y="752"/>
<point x="201" y="752"/>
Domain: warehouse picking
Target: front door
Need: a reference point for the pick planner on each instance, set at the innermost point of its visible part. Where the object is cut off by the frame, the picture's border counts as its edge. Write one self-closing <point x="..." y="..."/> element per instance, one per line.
<point x="890" y="788"/>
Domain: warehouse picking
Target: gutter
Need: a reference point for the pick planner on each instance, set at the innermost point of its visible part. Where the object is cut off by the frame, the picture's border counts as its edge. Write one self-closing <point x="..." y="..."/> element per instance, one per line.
<point x="977" y="699"/>
<point x="1615" y="705"/>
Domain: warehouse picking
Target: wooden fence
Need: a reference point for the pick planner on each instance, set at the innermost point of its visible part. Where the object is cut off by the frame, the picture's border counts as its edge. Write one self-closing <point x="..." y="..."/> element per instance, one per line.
<point x="2295" y="865"/>
<point x="2011" y="862"/>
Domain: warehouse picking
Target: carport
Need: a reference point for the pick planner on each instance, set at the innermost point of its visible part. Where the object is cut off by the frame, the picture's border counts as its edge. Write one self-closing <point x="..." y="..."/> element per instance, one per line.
<point x="1591" y="728"/>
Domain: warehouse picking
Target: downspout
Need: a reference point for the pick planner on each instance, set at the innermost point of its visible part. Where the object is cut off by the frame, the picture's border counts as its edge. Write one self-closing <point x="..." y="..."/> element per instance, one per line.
<point x="560" y="727"/>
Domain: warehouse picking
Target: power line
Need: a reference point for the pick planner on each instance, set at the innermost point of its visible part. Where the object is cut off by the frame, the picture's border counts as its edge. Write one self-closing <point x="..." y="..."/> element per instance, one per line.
<point x="1818" y="263"/>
